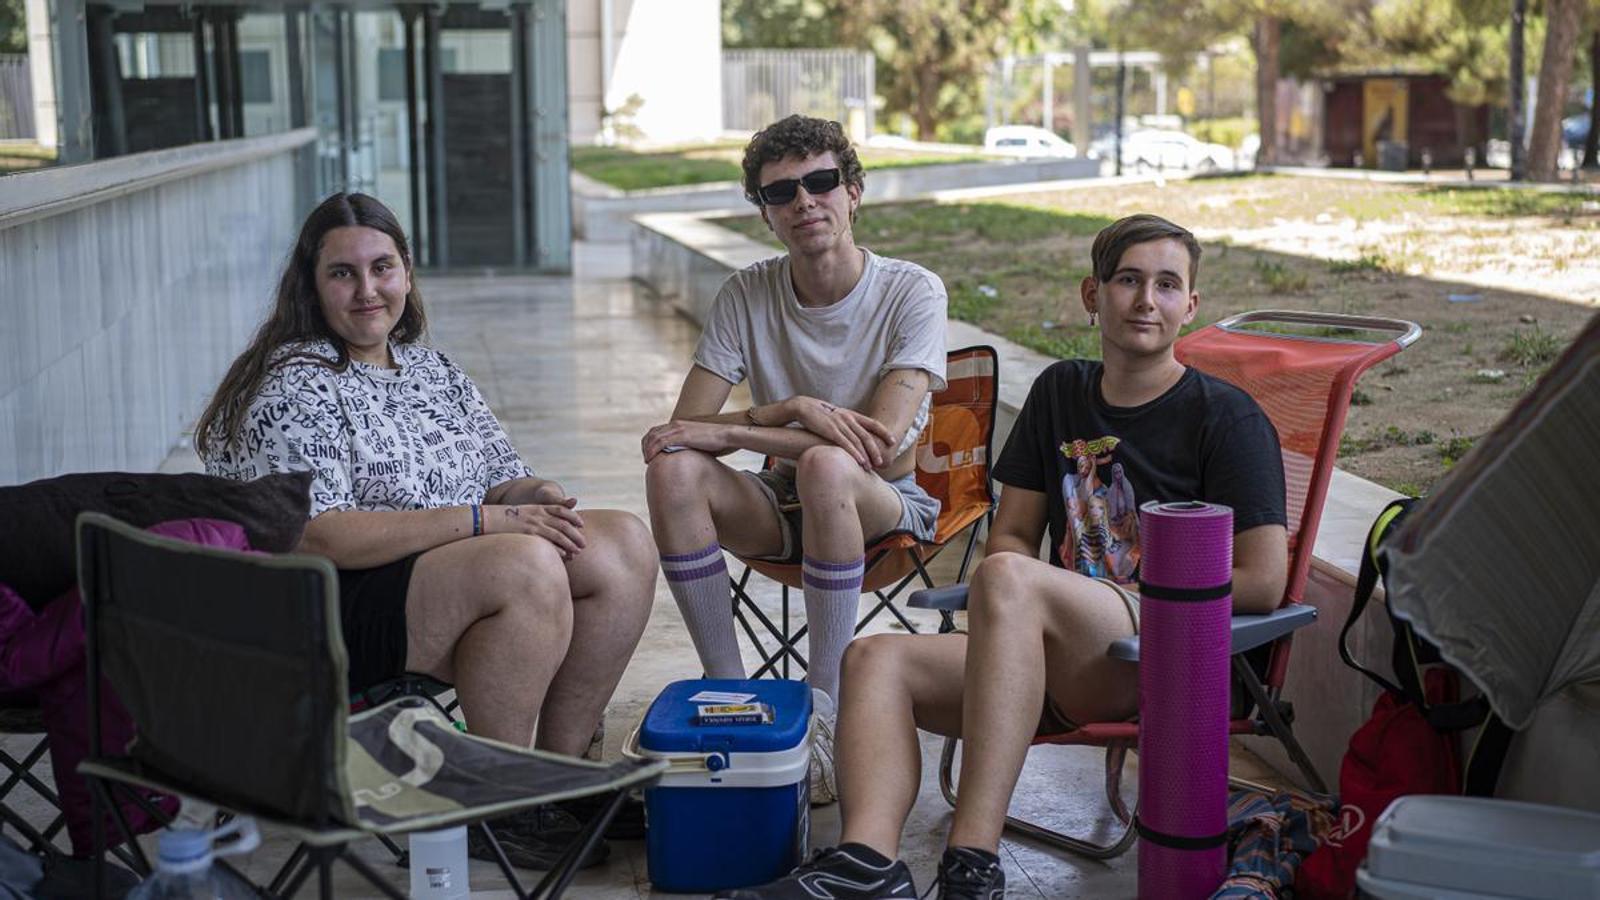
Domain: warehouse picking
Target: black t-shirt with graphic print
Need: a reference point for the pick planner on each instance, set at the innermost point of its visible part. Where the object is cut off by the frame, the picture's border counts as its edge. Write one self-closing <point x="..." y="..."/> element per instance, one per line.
<point x="1203" y="439"/>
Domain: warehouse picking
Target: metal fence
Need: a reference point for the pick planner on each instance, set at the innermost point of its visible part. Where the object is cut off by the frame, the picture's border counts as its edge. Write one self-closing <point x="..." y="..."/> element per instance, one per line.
<point x="759" y="86"/>
<point x="16" y="97"/>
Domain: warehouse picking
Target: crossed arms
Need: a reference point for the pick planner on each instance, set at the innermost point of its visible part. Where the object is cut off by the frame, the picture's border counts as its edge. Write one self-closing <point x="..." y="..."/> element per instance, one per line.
<point x="870" y="438"/>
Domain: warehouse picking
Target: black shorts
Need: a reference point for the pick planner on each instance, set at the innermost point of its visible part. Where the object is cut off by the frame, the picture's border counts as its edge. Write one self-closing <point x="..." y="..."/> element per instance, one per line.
<point x="372" y="613"/>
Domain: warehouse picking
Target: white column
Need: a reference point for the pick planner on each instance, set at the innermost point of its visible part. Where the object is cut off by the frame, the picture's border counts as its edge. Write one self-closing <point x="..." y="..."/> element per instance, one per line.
<point x="41" y="71"/>
<point x="1049" y="95"/>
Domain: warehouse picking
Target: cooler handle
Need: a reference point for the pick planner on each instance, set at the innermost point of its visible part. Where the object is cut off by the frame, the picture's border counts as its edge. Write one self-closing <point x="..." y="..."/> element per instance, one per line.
<point x="631" y="752"/>
<point x="693" y="763"/>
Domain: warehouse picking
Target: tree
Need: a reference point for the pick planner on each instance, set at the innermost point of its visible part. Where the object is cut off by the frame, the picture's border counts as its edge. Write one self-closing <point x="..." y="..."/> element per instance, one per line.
<point x="13" y="27"/>
<point x="754" y="24"/>
<point x="933" y="55"/>
<point x="1563" y="19"/>
<point x="1464" y="40"/>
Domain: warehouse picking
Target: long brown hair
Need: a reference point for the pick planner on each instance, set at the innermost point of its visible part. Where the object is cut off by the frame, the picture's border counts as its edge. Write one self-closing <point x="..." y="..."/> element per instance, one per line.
<point x="297" y="315"/>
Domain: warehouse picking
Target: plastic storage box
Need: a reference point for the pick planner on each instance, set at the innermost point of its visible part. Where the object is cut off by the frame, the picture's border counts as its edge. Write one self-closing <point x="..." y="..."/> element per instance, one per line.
<point x="1472" y="847"/>
<point x="733" y="809"/>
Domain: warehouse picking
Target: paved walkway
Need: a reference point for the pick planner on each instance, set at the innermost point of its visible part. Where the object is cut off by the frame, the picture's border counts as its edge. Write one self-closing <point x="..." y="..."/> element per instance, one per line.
<point x="577" y="368"/>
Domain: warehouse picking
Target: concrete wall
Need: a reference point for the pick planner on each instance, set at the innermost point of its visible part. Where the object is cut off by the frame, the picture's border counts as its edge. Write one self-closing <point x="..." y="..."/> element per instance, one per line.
<point x="669" y="52"/>
<point x="685" y="258"/>
<point x="603" y="213"/>
<point x="129" y="286"/>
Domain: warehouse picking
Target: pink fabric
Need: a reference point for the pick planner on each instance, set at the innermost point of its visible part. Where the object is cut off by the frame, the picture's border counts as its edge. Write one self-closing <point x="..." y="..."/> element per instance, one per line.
<point x="42" y="661"/>
<point x="1183" y="697"/>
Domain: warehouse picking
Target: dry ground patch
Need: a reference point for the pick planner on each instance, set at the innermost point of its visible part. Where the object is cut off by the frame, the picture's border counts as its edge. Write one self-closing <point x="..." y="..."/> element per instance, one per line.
<point x="1501" y="281"/>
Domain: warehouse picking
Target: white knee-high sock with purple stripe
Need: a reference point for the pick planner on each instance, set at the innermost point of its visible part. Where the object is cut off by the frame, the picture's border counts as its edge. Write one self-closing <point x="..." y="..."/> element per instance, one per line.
<point x="699" y="582"/>
<point x="833" y="593"/>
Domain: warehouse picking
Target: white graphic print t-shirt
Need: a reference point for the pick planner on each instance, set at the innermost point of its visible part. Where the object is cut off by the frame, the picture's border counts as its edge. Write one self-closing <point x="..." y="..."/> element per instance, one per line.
<point x="415" y="437"/>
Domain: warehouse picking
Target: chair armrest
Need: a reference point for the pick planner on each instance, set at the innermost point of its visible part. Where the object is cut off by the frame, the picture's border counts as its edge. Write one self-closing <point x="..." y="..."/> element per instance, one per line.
<point x="1249" y="632"/>
<point x="949" y="598"/>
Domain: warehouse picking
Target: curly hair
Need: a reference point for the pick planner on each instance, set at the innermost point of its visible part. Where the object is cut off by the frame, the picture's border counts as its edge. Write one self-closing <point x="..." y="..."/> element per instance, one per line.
<point x="1116" y="238"/>
<point x="798" y="136"/>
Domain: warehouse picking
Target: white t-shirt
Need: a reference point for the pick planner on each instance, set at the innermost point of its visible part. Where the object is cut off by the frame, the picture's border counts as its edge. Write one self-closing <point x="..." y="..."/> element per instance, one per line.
<point x="416" y="437"/>
<point x="894" y="318"/>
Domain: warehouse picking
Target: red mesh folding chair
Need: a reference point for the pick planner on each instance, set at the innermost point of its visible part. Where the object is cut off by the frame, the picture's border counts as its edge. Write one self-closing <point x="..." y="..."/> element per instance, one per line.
<point x="952" y="466"/>
<point x="1301" y="368"/>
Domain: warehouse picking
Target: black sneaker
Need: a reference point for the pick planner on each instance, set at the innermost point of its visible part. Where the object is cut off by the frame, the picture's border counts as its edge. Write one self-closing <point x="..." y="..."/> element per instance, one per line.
<point x="834" y="873"/>
<point x="968" y="874"/>
<point x="535" y="838"/>
<point x="626" y="825"/>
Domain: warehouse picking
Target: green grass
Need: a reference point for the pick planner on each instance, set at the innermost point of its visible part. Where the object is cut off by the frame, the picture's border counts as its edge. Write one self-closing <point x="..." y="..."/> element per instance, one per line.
<point x="1531" y="348"/>
<point x="1367" y="262"/>
<point x="1004" y="222"/>
<point x="1503" y="203"/>
<point x="1452" y="450"/>
<point x="19" y="156"/>
<point x="1380" y="438"/>
<point x="1064" y="343"/>
<point x="631" y="170"/>
<point x="1279" y="278"/>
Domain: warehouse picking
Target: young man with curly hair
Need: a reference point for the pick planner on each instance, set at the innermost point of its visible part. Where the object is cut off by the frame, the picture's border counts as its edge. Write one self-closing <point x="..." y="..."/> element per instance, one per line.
<point x="841" y="349"/>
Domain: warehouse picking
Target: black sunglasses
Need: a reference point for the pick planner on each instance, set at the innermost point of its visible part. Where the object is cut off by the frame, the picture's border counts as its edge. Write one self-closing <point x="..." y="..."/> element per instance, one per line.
<point x="782" y="191"/>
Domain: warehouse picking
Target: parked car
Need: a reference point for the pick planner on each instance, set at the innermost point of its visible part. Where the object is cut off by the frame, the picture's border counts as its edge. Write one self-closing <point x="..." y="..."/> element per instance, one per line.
<point x="1027" y="141"/>
<point x="1160" y="148"/>
<point x="1575" y="129"/>
<point x="1249" y="149"/>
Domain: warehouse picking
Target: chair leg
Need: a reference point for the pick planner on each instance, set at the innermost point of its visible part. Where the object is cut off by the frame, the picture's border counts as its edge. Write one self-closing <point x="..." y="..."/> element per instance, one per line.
<point x="556" y="881"/>
<point x="289" y="868"/>
<point x="1116" y="756"/>
<point x="402" y="858"/>
<point x="501" y="860"/>
<point x="311" y="862"/>
<point x="1277" y="726"/>
<point x="743" y="604"/>
<point x="947" y="771"/>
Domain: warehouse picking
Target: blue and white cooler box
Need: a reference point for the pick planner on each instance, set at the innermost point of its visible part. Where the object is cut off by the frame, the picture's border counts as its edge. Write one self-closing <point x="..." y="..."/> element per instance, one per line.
<point x="732" y="810"/>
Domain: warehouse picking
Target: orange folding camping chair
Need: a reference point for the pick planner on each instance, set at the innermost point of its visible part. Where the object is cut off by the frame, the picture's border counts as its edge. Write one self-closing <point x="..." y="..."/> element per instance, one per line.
<point x="1301" y="368"/>
<point x="952" y="466"/>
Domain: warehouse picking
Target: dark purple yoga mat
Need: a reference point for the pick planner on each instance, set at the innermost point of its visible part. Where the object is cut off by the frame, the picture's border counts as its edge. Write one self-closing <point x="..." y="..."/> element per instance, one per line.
<point x="1185" y="609"/>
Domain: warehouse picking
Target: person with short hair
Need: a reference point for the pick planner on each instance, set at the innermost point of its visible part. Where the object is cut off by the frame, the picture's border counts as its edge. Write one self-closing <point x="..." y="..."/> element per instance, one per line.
<point x="455" y="560"/>
<point x="1093" y="441"/>
<point x="841" y="349"/>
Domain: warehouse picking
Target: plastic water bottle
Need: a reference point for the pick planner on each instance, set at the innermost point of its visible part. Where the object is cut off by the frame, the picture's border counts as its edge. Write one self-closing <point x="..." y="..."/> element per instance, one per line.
<point x="184" y="868"/>
<point x="439" y="864"/>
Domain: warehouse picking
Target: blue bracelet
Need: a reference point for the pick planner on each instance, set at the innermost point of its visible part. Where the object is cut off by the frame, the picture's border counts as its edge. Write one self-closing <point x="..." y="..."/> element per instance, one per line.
<point x="477" y="520"/>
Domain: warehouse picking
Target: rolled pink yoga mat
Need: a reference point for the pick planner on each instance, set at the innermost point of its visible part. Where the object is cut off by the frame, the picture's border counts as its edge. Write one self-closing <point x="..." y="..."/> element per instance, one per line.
<point x="1185" y="607"/>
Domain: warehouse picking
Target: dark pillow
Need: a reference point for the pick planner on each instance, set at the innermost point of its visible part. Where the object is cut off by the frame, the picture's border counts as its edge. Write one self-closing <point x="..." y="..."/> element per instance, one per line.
<point x="38" y="543"/>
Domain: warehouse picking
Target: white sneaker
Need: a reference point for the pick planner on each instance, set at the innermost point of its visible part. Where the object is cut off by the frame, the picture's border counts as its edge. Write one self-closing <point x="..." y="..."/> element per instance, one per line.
<point x="824" y="782"/>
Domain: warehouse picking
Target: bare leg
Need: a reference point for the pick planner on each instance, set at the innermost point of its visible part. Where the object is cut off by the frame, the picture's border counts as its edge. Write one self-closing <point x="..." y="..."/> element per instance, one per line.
<point x="695" y="500"/>
<point x="844" y="504"/>
<point x="1033" y="628"/>
<point x="892" y="685"/>
<point x="491" y="615"/>
<point x="613" y="584"/>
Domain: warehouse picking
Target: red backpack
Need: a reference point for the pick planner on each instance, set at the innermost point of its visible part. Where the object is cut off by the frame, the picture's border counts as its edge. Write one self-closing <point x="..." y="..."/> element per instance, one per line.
<point x="1395" y="752"/>
<point x="1410" y="743"/>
